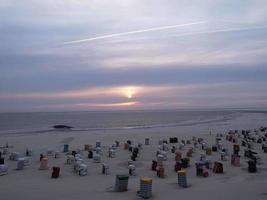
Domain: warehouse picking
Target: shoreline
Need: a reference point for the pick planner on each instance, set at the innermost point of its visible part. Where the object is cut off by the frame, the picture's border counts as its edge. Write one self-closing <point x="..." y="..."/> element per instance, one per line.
<point x="183" y="123"/>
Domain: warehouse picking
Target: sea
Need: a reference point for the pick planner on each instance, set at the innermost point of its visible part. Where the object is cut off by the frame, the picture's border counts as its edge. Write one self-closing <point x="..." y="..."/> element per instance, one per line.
<point x="42" y="122"/>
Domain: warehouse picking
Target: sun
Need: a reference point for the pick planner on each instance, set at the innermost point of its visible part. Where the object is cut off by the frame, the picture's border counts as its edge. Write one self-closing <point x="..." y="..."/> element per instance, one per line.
<point x="129" y="91"/>
<point x="129" y="96"/>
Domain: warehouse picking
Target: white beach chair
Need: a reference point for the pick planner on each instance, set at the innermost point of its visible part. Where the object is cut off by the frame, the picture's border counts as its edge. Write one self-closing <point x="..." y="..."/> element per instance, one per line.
<point x="77" y="164"/>
<point x="164" y="154"/>
<point x="82" y="169"/>
<point x="130" y="162"/>
<point x="111" y="153"/>
<point x="3" y="170"/>
<point x="131" y="170"/>
<point x="96" y="158"/>
<point x="70" y="159"/>
<point x="165" y="147"/>
<point x="160" y="157"/>
<point x="14" y="156"/>
<point x="98" y="144"/>
<point x="26" y="161"/>
<point x="98" y="150"/>
<point x="20" y="164"/>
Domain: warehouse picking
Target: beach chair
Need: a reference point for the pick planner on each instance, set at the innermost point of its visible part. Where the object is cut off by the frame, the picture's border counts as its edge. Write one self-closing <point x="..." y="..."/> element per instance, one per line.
<point x="121" y="183"/>
<point x="131" y="170"/>
<point x="3" y="170"/>
<point x="14" y="156"/>
<point x="98" y="144"/>
<point x="55" y="172"/>
<point x="70" y="159"/>
<point x="164" y="154"/>
<point x="145" y="188"/>
<point x="182" y="180"/>
<point x="252" y="167"/>
<point x="111" y="153"/>
<point x="82" y="169"/>
<point x="96" y="158"/>
<point x="77" y="164"/>
<point x="26" y="161"/>
<point x="2" y="161"/>
<point x="146" y="141"/>
<point x="105" y="169"/>
<point x="20" y="164"/>
<point x="218" y="168"/>
<point x="154" y="165"/>
<point x="44" y="164"/>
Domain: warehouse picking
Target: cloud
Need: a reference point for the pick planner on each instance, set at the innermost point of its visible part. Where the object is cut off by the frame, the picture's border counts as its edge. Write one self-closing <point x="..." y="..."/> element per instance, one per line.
<point x="80" y="106"/>
<point x="221" y="62"/>
<point x="122" y="91"/>
<point x="192" y="51"/>
<point x="147" y="96"/>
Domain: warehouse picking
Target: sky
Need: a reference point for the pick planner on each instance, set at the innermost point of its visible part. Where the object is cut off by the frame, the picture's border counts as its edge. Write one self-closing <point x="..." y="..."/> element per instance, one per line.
<point x="64" y="55"/>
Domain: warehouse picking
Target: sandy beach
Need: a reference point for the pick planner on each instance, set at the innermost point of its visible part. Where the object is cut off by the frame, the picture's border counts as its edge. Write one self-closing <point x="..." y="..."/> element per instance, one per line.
<point x="235" y="183"/>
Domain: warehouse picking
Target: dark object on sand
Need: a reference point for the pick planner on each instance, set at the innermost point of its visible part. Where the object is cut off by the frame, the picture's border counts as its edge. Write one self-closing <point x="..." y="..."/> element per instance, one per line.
<point x="252" y="168"/>
<point x="55" y="173"/>
<point x="90" y="154"/>
<point x="73" y="153"/>
<point x="199" y="168"/>
<point x="177" y="166"/>
<point x="27" y="152"/>
<point x="41" y="156"/>
<point x="173" y="140"/>
<point x="154" y="165"/>
<point x="218" y="168"/>
<point x="2" y="161"/>
<point x="214" y="148"/>
<point x="133" y="158"/>
<point x="262" y="129"/>
<point x="185" y="162"/>
<point x="63" y="127"/>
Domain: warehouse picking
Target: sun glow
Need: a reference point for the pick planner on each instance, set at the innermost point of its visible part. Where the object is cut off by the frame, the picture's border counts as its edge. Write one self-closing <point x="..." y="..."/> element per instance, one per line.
<point x="129" y="91"/>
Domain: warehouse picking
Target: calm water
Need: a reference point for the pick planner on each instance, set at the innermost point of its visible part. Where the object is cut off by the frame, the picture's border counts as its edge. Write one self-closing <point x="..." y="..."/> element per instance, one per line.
<point x="43" y="122"/>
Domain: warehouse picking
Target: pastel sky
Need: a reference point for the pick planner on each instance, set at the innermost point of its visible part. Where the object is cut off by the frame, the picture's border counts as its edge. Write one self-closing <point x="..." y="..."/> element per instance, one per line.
<point x="132" y="54"/>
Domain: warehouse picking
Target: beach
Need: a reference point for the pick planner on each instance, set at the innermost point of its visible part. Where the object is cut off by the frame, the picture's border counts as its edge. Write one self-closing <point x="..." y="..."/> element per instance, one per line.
<point x="131" y="100"/>
<point x="235" y="183"/>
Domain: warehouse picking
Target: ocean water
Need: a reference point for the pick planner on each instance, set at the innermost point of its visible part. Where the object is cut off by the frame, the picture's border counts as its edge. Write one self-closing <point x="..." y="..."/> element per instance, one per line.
<point x="81" y="121"/>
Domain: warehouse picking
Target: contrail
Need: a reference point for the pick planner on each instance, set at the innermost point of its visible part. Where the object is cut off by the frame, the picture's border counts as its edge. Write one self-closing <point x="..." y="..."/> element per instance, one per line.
<point x="221" y="31"/>
<point x="133" y="32"/>
<point x="199" y="33"/>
